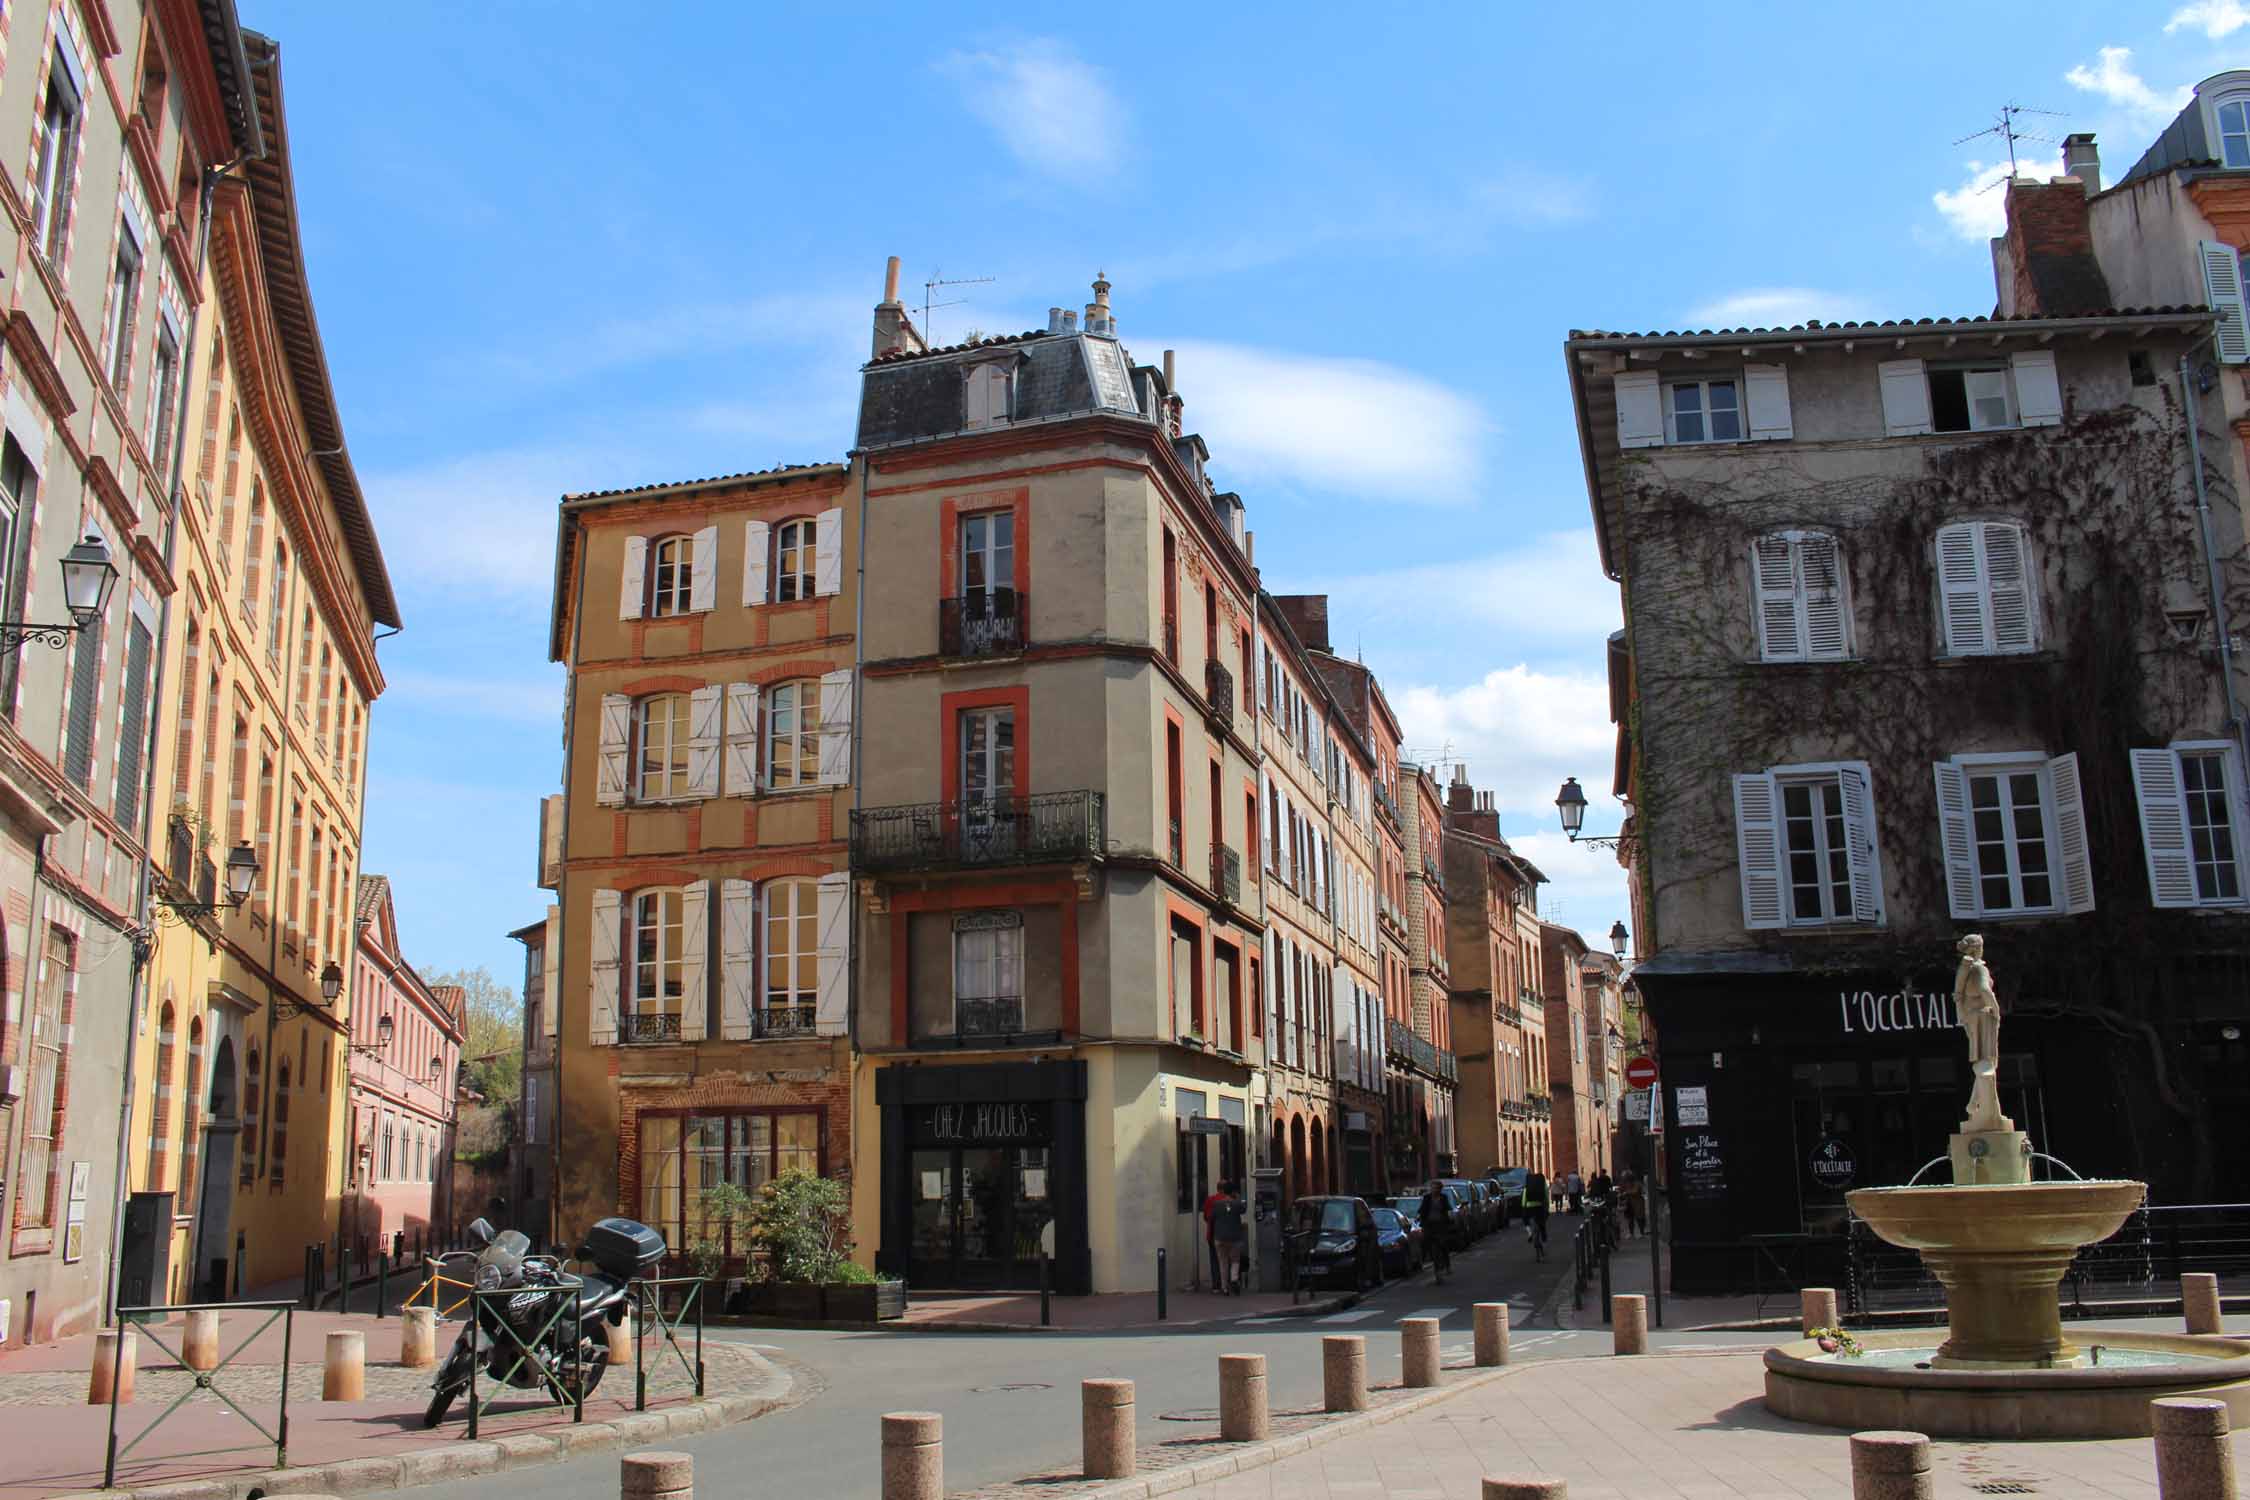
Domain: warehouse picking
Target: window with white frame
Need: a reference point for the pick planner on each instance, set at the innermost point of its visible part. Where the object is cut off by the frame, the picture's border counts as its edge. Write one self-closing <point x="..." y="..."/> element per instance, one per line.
<point x="661" y="732"/>
<point x="1703" y="411"/>
<point x="2013" y="829"/>
<point x="1803" y="614"/>
<point x="1972" y="397"/>
<point x="1987" y="596"/>
<point x="2234" y="130"/>
<point x="1806" y="846"/>
<point x="124" y="304"/>
<point x="988" y="973"/>
<point x="794" y="545"/>
<point x="671" y="575"/>
<point x="793" y="735"/>
<point x="2191" y="799"/>
<point x="659" y="984"/>
<point x="792" y="985"/>
<point x="61" y="121"/>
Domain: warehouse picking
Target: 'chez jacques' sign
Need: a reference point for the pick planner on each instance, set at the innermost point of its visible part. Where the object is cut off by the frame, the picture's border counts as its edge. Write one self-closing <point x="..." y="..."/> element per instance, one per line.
<point x="1909" y="1009"/>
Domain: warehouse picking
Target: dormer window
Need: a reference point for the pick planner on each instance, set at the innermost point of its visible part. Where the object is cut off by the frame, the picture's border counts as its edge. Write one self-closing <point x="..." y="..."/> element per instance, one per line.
<point x="991" y="395"/>
<point x="2234" y="130"/>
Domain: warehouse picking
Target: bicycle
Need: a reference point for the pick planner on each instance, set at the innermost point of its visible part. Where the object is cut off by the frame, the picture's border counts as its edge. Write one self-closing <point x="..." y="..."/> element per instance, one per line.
<point x="1535" y="1232"/>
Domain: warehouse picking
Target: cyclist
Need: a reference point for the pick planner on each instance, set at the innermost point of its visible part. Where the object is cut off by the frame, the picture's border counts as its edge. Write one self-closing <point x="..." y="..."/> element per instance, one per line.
<point x="1535" y="1206"/>
<point x="1437" y="1228"/>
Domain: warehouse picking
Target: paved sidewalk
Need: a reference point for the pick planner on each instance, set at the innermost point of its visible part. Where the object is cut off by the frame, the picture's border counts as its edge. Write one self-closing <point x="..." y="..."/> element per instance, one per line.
<point x="1115" y="1310"/>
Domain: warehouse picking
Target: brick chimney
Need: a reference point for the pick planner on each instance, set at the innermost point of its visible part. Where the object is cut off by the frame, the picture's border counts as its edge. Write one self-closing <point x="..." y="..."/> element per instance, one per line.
<point x="894" y="330"/>
<point x="1307" y="614"/>
<point x="2044" y="265"/>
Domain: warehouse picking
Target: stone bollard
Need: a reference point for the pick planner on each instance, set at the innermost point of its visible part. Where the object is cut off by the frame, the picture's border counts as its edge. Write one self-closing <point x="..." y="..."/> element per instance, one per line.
<point x="343" y="1367"/>
<point x="1106" y="1408"/>
<point x="2194" y="1455"/>
<point x="1343" y="1372"/>
<point x="1526" y="1487"/>
<point x="1418" y="1351"/>
<point x="1242" y="1398"/>
<point x="1819" y="1308"/>
<point x="1492" y="1333"/>
<point x="107" y="1361"/>
<point x="913" y="1455"/>
<point x="2199" y="1300"/>
<point x="199" y="1340"/>
<point x="1891" y="1466"/>
<point x="1628" y="1323"/>
<point x="621" y="1341"/>
<point x="417" y="1338"/>
<point x="656" y="1476"/>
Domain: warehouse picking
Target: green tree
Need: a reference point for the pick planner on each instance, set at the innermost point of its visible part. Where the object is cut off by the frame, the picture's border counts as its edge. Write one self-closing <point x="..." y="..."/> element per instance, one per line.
<point x="492" y="1052"/>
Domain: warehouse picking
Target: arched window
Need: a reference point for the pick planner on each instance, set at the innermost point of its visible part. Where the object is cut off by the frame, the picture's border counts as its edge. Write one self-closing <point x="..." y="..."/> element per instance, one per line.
<point x="250" y="1104"/>
<point x="793" y="560"/>
<point x="793" y="735"/>
<point x="160" y="1147"/>
<point x="671" y="575"/>
<point x="792" y="986"/>
<point x="390" y="1139"/>
<point x="661" y="731"/>
<point x="658" y="984"/>
<point x="191" y="1137"/>
<point x="280" y="1121"/>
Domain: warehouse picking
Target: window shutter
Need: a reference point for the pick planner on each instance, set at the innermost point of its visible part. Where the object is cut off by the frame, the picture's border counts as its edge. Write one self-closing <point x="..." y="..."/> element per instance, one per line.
<point x="1961" y="590"/>
<point x="738" y="966"/>
<point x="1953" y="838"/>
<point x="85" y="697"/>
<point x="2070" y="835"/>
<point x="617" y="736"/>
<point x="1272" y="998"/>
<point x="741" y="754"/>
<point x="1287" y="841"/>
<point x="977" y="397"/>
<point x="695" y="960"/>
<point x="703" y="571"/>
<point x="1766" y="389"/>
<point x="2038" y="391"/>
<point x="1827" y="614"/>
<point x="2222" y="288"/>
<point x="604" y="991"/>
<point x="132" y="727"/>
<point x="705" y="706"/>
<point x="836" y="727"/>
<point x="1757" y="838"/>
<point x="834" y="953"/>
<point x="1773" y="571"/>
<point x="1906" y="397"/>
<point x="828" y="551"/>
<point x="1345" y="1028"/>
<point x="2007" y="575"/>
<point x="632" y="589"/>
<point x="757" y="551"/>
<point x="1858" y="788"/>
<point x="1640" y="410"/>
<point x="2156" y="786"/>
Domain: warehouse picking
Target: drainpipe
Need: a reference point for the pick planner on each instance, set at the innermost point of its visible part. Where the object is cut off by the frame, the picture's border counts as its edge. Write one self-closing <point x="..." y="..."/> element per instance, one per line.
<point x="2191" y="409"/>
<point x="562" y="888"/>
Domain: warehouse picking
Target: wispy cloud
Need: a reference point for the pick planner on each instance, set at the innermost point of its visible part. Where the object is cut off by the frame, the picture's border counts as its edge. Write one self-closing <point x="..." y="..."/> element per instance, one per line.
<point x="1051" y="109"/>
<point x="1978" y="209"/>
<point x="1525" y="195"/>
<point x="1355" y="426"/>
<point x="2112" y="77"/>
<point x="831" y="324"/>
<point x="2214" y="18"/>
<point x="486" y="520"/>
<point x="1779" y="307"/>
<point x="1547" y="591"/>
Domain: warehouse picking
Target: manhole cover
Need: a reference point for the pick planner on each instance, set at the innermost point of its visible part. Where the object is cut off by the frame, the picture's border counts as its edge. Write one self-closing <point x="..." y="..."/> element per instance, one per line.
<point x="1023" y="1385"/>
<point x="2005" y="1487"/>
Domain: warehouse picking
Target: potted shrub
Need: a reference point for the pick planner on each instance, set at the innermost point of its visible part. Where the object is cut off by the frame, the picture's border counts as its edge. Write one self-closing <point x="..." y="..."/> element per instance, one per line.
<point x="800" y="1227"/>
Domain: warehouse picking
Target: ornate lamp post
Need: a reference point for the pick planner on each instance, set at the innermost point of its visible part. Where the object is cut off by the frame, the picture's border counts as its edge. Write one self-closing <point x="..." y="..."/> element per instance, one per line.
<point x="88" y="578"/>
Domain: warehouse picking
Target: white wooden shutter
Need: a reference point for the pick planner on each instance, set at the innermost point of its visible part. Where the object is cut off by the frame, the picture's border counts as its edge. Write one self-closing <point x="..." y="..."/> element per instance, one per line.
<point x="695" y="959"/>
<point x="1766" y="391"/>
<point x="1954" y="839"/>
<point x="834" y="953"/>
<point x="738" y="967"/>
<point x="1820" y="566"/>
<point x="836" y="727"/>
<point x="2070" y="835"/>
<point x="1344" y="1028"/>
<point x="741" y="753"/>
<point x="977" y="400"/>
<point x="616" y="741"/>
<point x="1288" y="840"/>
<point x="2164" y="839"/>
<point x="1272" y="997"/>
<point x="605" y="989"/>
<point x="703" y="571"/>
<point x="1962" y="602"/>
<point x="706" y="705"/>
<point x="632" y="588"/>
<point x="2222" y="288"/>
<point x="1857" y="785"/>
<point x="1773" y="573"/>
<point x="1640" y="410"/>
<point x="828" y="551"/>
<point x="1906" y="397"/>
<point x="1757" y="840"/>
<point x="2007" y="576"/>
<point x="2038" y="391"/>
<point x="757" y="551"/>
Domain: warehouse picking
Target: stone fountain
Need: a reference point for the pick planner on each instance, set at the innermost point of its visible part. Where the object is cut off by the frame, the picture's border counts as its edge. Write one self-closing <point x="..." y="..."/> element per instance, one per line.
<point x="2000" y="1245"/>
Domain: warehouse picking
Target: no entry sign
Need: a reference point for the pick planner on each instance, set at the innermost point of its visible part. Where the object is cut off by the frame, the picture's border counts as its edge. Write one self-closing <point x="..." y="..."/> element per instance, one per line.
<point x="1640" y="1073"/>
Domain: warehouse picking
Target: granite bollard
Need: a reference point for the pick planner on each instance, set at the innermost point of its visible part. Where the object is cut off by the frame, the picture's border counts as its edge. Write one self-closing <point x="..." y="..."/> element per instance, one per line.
<point x="1628" y="1319"/>
<point x="1491" y="1333"/>
<point x="1106" y="1410"/>
<point x="913" y="1456"/>
<point x="343" y="1366"/>
<point x="657" y="1475"/>
<point x="1891" y="1466"/>
<point x="1242" y="1398"/>
<point x="2194" y="1452"/>
<point x="1343" y="1372"/>
<point x="1418" y="1352"/>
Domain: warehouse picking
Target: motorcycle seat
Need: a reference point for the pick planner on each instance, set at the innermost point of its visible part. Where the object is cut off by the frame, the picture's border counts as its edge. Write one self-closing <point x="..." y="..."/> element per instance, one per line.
<point x="598" y="1293"/>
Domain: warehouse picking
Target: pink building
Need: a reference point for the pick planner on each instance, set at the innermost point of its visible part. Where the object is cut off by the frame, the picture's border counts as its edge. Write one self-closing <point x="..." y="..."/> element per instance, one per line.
<point x="405" y="1060"/>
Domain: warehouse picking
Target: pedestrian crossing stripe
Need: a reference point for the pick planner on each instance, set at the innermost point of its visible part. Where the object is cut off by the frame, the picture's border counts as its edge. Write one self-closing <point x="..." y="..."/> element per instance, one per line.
<point x="1354" y="1316"/>
<point x="1440" y="1313"/>
<point x="1257" y="1322"/>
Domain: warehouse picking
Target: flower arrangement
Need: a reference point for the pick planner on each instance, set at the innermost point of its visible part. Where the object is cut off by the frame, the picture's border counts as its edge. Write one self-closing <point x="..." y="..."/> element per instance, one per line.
<point x="1835" y="1341"/>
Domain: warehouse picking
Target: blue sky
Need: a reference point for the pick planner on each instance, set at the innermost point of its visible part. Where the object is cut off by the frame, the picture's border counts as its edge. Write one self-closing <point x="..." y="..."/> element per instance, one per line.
<point x="556" y="249"/>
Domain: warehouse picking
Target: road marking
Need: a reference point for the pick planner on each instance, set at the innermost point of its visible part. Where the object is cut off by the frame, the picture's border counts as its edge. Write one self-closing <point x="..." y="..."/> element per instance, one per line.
<point x="1354" y="1316"/>
<point x="1439" y="1313"/>
<point x="1257" y="1322"/>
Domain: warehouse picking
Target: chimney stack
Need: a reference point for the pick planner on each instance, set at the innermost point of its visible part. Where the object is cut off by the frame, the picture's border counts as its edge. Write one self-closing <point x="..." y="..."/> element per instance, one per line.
<point x="1098" y="318"/>
<point x="2083" y="160"/>
<point x="1171" y="386"/>
<point x="894" y="331"/>
<point x="890" y="280"/>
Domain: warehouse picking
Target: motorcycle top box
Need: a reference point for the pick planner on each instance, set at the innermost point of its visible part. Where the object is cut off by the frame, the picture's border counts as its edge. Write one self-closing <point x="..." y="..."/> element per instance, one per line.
<point x="622" y="1248"/>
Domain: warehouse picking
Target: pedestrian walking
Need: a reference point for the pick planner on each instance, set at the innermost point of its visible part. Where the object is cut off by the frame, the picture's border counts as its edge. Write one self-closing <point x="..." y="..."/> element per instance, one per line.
<point x="1574" y="1190"/>
<point x="1437" y="1228"/>
<point x="1629" y="1194"/>
<point x="1211" y="1202"/>
<point x="1230" y="1237"/>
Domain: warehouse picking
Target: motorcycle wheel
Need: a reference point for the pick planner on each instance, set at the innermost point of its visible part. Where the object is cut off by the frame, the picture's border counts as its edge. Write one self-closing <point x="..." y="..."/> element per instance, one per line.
<point x="451" y="1381"/>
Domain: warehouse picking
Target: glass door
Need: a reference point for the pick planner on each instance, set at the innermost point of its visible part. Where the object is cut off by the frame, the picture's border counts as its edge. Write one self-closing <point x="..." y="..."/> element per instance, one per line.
<point x="988" y="784"/>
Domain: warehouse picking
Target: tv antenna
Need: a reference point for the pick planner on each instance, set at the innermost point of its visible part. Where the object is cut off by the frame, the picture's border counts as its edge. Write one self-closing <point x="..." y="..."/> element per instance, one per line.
<point x="2005" y="127"/>
<point x="938" y="279"/>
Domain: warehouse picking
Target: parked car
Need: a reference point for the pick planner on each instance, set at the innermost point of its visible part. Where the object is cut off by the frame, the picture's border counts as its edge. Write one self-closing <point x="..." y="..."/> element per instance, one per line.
<point x="1496" y="1203"/>
<point x="1474" y="1212"/>
<point x="1400" y="1240"/>
<point x="1510" y="1181"/>
<point x="1334" y="1238"/>
<point x="1410" y="1207"/>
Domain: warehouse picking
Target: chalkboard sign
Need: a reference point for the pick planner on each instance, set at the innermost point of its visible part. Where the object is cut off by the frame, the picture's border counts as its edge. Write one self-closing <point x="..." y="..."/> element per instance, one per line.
<point x="1703" y="1170"/>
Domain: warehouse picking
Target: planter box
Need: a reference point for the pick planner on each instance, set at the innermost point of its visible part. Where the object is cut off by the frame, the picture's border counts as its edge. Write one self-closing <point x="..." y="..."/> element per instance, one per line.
<point x="869" y="1303"/>
<point x="799" y="1301"/>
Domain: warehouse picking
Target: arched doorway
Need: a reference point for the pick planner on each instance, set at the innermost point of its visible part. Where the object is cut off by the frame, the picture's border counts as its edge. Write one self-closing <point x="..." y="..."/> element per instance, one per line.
<point x="1299" y="1183"/>
<point x="1319" y="1162"/>
<point x="213" y="1250"/>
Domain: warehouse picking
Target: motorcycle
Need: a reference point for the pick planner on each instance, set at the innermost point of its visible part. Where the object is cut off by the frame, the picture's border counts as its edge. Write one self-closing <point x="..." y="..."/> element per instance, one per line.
<point x="510" y="1344"/>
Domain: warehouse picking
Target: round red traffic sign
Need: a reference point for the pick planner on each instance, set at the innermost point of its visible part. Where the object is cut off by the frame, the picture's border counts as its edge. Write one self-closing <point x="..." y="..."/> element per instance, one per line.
<point x="1640" y="1073"/>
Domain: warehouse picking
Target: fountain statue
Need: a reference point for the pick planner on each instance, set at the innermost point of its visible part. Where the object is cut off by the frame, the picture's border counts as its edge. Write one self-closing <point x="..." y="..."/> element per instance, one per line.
<point x="1988" y="1147"/>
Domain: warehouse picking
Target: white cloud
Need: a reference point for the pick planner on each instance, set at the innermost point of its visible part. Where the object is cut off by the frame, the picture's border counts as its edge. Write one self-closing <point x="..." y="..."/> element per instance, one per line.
<point x="828" y="329"/>
<point x="2216" y="18"/>
<point x="482" y="520"/>
<point x="1051" y="109"/>
<point x="1978" y="208"/>
<point x="1779" y="307"/>
<point x="1547" y="589"/>
<point x="2113" y="78"/>
<point x="1355" y="426"/>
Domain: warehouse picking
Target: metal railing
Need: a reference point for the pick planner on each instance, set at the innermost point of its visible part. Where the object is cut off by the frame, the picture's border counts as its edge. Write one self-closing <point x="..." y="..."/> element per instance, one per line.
<point x="997" y="1015"/>
<point x="1218" y="691"/>
<point x="571" y="1392"/>
<point x="986" y="624"/>
<point x="1590" y="1248"/>
<point x="647" y="1297"/>
<point x="649" y="1027"/>
<point x="1226" y="874"/>
<point x="784" y="1020"/>
<point x="982" y="831"/>
<point x="134" y="1322"/>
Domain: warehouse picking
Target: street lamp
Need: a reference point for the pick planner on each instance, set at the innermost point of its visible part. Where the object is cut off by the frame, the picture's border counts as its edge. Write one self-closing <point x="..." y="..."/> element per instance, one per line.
<point x="1617" y="938"/>
<point x="1571" y="803"/>
<point x="385" y="1028"/>
<point x="88" y="578"/>
<point x="241" y="878"/>
<point x="332" y="985"/>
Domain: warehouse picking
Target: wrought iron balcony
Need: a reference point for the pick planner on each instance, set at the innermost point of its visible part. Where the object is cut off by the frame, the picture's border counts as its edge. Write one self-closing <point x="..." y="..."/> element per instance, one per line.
<point x="648" y="1027"/>
<point x="1226" y="874"/>
<point x="1448" y="1067"/>
<point x="972" y="833"/>
<point x="784" y="1020"/>
<point x="998" y="1015"/>
<point x="1416" y="1050"/>
<point x="1386" y="804"/>
<point x="984" y="624"/>
<point x="1176" y="848"/>
<point x="1218" y="692"/>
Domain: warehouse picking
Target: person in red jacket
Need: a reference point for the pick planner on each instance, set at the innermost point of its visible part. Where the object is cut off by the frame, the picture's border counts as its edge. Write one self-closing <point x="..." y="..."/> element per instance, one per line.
<point x="1211" y="1204"/>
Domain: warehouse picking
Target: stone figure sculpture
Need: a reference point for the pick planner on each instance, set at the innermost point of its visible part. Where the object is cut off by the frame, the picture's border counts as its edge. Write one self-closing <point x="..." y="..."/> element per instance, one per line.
<point x="1979" y="1011"/>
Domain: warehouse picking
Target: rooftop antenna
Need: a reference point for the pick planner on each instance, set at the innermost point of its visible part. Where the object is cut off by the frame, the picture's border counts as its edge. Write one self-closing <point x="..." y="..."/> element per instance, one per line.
<point x="938" y="279"/>
<point x="2005" y="128"/>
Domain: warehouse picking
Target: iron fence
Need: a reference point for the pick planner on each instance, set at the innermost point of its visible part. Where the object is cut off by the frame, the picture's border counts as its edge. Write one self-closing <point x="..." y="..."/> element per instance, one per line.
<point x="136" y="1322"/>
<point x="1218" y="691"/>
<point x="979" y="831"/>
<point x="983" y="624"/>
<point x="1226" y="874"/>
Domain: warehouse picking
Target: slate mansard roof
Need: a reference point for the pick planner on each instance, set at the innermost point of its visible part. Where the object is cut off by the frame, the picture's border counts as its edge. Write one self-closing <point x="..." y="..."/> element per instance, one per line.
<point x="913" y="396"/>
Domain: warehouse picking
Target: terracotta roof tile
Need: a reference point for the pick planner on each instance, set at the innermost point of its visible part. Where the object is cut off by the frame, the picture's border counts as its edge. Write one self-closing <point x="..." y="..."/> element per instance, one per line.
<point x="901" y="356"/>
<point x="1815" y="325"/>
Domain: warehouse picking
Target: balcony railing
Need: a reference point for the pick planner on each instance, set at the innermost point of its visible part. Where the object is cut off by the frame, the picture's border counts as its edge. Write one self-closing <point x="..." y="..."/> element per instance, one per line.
<point x="1226" y="874"/>
<point x="784" y="1020"/>
<point x="1418" y="1052"/>
<point x="648" y="1027"/>
<point x="1175" y="847"/>
<point x="1218" y="692"/>
<point x="979" y="832"/>
<point x="986" y="624"/>
<point x="1387" y="804"/>
<point x="1172" y="638"/>
<point x="999" y="1015"/>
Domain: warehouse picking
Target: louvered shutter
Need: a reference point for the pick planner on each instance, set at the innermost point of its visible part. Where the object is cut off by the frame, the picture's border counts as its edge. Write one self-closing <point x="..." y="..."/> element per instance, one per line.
<point x="2164" y="839"/>
<point x="1288" y="841"/>
<point x="1857" y="786"/>
<point x="1827" y="609"/>
<point x="604" y="989"/>
<point x="695" y="959"/>
<point x="1954" y="839"/>
<point x="1757" y="839"/>
<point x="828" y="551"/>
<point x="1962" y="601"/>
<point x="1766" y="392"/>
<point x="834" y="955"/>
<point x="2038" y="391"/>
<point x="2007" y="575"/>
<point x="1773" y="572"/>
<point x="738" y="967"/>
<point x="757" y="552"/>
<point x="85" y="699"/>
<point x="1640" y="410"/>
<point x="703" y="571"/>
<point x="632" y="588"/>
<point x="2071" y="851"/>
<point x="1273" y="994"/>
<point x="132" y="727"/>
<point x="741" y="753"/>
<point x="616" y="741"/>
<point x="1906" y="397"/>
<point x="706" y="705"/>
<point x="836" y="727"/>
<point x="1346" y="1023"/>
<point x="2222" y="288"/>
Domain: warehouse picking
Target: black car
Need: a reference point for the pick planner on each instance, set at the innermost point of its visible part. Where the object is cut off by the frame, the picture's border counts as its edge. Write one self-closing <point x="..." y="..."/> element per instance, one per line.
<point x="1335" y="1238"/>
<point x="1400" y="1240"/>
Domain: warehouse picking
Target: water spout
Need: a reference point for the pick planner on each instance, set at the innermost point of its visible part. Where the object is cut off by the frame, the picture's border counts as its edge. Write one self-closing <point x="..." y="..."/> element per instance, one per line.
<point x="2056" y="1161"/>
<point x="1932" y="1162"/>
